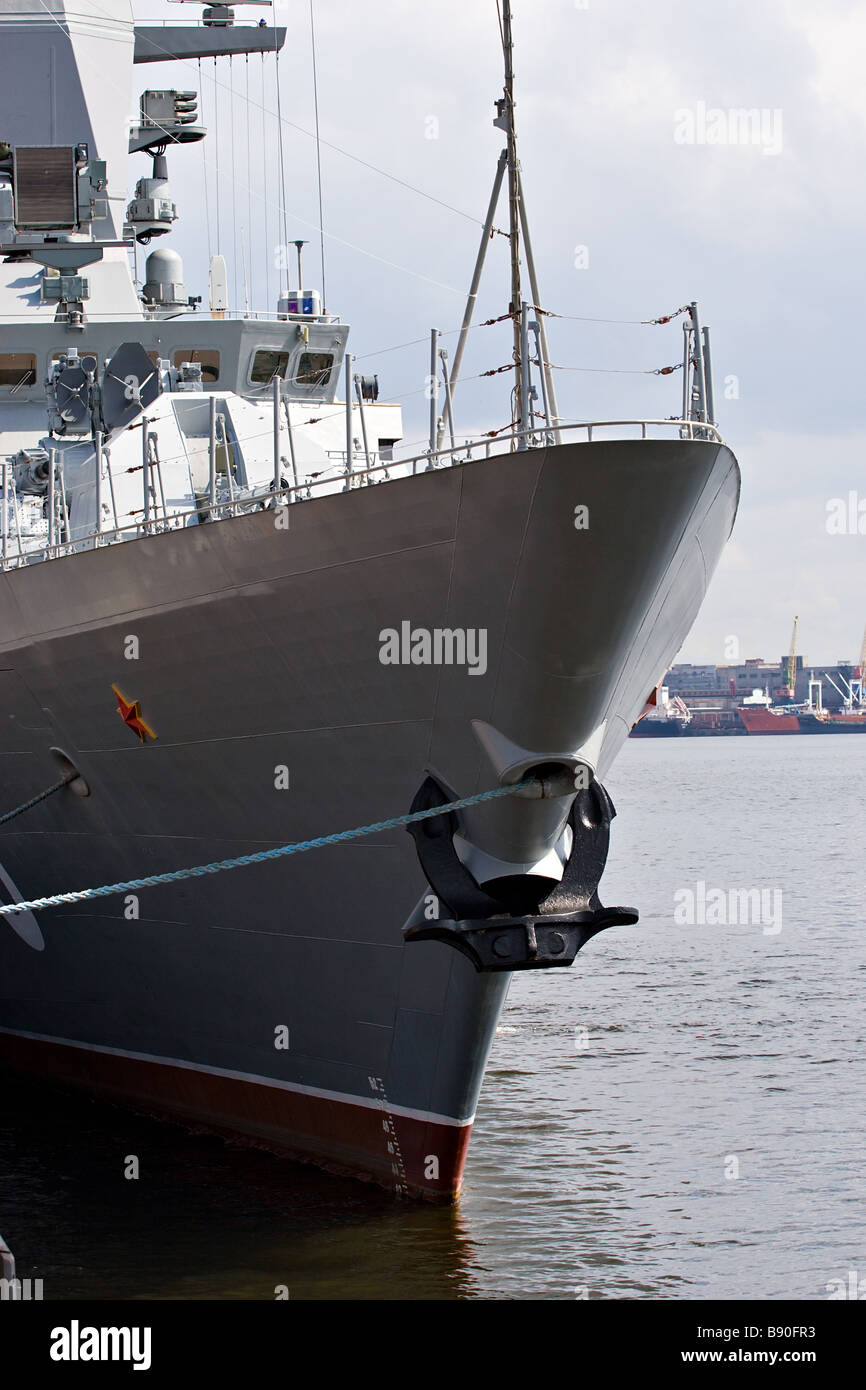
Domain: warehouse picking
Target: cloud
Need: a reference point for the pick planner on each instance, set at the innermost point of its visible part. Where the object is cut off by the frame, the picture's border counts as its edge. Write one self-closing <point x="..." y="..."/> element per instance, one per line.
<point x="783" y="559"/>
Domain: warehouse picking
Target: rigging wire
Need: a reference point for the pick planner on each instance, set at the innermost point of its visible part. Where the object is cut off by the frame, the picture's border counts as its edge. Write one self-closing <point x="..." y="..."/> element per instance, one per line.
<point x="204" y="163"/>
<point x="622" y="371"/>
<point x="383" y="173"/>
<point x="504" y="318"/>
<point x="216" y="136"/>
<point x="414" y="342"/>
<point x="249" y="175"/>
<point x="548" y="313"/>
<point x="579" y="318"/>
<point x="266" y="198"/>
<point x="381" y="352"/>
<point x="284" y="257"/>
<point x="234" y="184"/>
<point x="318" y="156"/>
<point x="351" y="246"/>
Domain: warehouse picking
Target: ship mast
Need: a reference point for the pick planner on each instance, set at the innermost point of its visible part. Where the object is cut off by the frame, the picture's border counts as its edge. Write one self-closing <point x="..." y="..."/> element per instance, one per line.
<point x="505" y="110"/>
<point x="518" y="229"/>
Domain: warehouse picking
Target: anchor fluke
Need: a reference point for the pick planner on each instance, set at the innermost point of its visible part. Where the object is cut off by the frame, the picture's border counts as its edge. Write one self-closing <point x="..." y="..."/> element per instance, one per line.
<point x="487" y="925"/>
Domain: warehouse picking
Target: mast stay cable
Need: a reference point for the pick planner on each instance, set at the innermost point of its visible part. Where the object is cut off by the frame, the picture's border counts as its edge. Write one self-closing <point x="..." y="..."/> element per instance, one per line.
<point x="318" y="157"/>
<point x="284" y="256"/>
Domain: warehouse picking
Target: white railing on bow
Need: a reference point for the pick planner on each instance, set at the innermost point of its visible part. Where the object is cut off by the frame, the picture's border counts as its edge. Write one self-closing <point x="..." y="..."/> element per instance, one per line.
<point x="16" y="552"/>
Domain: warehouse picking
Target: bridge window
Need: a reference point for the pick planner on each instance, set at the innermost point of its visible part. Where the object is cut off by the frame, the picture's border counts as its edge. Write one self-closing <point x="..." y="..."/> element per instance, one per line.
<point x="268" y="364"/>
<point x="208" y="358"/>
<point x="314" y="369"/>
<point x="17" y="370"/>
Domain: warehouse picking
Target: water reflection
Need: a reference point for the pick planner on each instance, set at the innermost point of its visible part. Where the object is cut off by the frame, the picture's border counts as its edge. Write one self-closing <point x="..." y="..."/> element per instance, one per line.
<point x="204" y="1219"/>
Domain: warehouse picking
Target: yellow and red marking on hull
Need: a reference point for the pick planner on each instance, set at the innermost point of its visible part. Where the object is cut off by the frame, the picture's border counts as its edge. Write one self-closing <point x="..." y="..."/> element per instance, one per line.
<point x="130" y="713"/>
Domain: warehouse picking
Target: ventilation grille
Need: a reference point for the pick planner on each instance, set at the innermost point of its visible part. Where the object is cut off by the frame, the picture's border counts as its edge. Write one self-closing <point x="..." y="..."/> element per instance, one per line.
<point x="45" y="186"/>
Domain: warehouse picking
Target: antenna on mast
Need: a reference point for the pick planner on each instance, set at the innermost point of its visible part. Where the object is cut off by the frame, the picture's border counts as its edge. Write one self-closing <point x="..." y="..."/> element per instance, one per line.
<point x="299" y="246"/>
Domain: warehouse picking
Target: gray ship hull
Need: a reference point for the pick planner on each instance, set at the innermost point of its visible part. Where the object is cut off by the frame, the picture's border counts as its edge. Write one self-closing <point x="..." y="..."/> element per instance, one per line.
<point x="279" y="1002"/>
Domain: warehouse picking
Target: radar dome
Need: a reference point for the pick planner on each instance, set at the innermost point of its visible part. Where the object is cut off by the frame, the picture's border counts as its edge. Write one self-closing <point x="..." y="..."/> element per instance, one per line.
<point x="164" y="287"/>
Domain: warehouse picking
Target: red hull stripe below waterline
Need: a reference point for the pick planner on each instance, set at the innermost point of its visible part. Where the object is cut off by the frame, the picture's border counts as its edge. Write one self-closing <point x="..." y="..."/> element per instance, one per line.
<point x="368" y="1139"/>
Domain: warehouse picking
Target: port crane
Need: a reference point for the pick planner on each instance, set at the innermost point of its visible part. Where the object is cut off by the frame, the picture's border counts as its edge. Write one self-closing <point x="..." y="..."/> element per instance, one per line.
<point x="854" y="695"/>
<point x="788" y="690"/>
<point x="852" y="691"/>
<point x="858" y="684"/>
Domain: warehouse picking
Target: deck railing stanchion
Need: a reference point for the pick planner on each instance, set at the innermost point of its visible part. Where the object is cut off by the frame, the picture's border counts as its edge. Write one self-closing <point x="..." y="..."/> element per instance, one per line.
<point x="433" y="391"/>
<point x="278" y="476"/>
<point x="708" y="378"/>
<point x="52" y="499"/>
<point x="211" y="491"/>
<point x="64" y="509"/>
<point x="700" y="376"/>
<point x="98" y="464"/>
<point x="145" y="472"/>
<point x="535" y="329"/>
<point x="350" y="450"/>
<point x="687" y="330"/>
<point x="17" y="517"/>
<point x="221" y="426"/>
<point x="524" y="441"/>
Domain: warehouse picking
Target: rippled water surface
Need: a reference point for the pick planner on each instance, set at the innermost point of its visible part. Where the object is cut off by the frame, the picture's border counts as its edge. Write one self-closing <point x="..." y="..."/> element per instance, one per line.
<point x="680" y="1115"/>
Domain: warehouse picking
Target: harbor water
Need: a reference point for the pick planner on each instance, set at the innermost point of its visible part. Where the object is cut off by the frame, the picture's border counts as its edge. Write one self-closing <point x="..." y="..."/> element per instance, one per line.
<point x="678" y="1116"/>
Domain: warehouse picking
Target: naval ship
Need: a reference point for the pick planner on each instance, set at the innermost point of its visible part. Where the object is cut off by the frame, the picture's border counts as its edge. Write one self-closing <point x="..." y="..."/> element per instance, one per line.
<point x="235" y="616"/>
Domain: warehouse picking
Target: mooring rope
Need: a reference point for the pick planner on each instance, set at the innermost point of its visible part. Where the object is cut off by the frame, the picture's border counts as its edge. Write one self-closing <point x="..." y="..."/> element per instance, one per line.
<point x="259" y="857"/>
<point x="35" y="800"/>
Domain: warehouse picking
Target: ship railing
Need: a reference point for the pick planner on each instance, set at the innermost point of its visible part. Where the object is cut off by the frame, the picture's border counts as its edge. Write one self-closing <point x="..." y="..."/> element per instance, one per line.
<point x="337" y="478"/>
<point x="543" y="436"/>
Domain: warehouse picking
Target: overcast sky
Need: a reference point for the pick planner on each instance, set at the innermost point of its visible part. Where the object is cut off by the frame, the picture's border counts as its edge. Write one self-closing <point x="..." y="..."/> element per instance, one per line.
<point x="768" y="236"/>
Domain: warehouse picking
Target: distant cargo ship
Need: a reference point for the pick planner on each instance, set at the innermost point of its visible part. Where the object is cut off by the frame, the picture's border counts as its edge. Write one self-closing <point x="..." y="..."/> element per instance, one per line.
<point x="760" y="717"/>
<point x="853" y="722"/>
<point x="666" y="718"/>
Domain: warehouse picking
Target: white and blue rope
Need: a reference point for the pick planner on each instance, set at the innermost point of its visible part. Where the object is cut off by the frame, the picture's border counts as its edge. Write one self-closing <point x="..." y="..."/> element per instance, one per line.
<point x="261" y="856"/>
